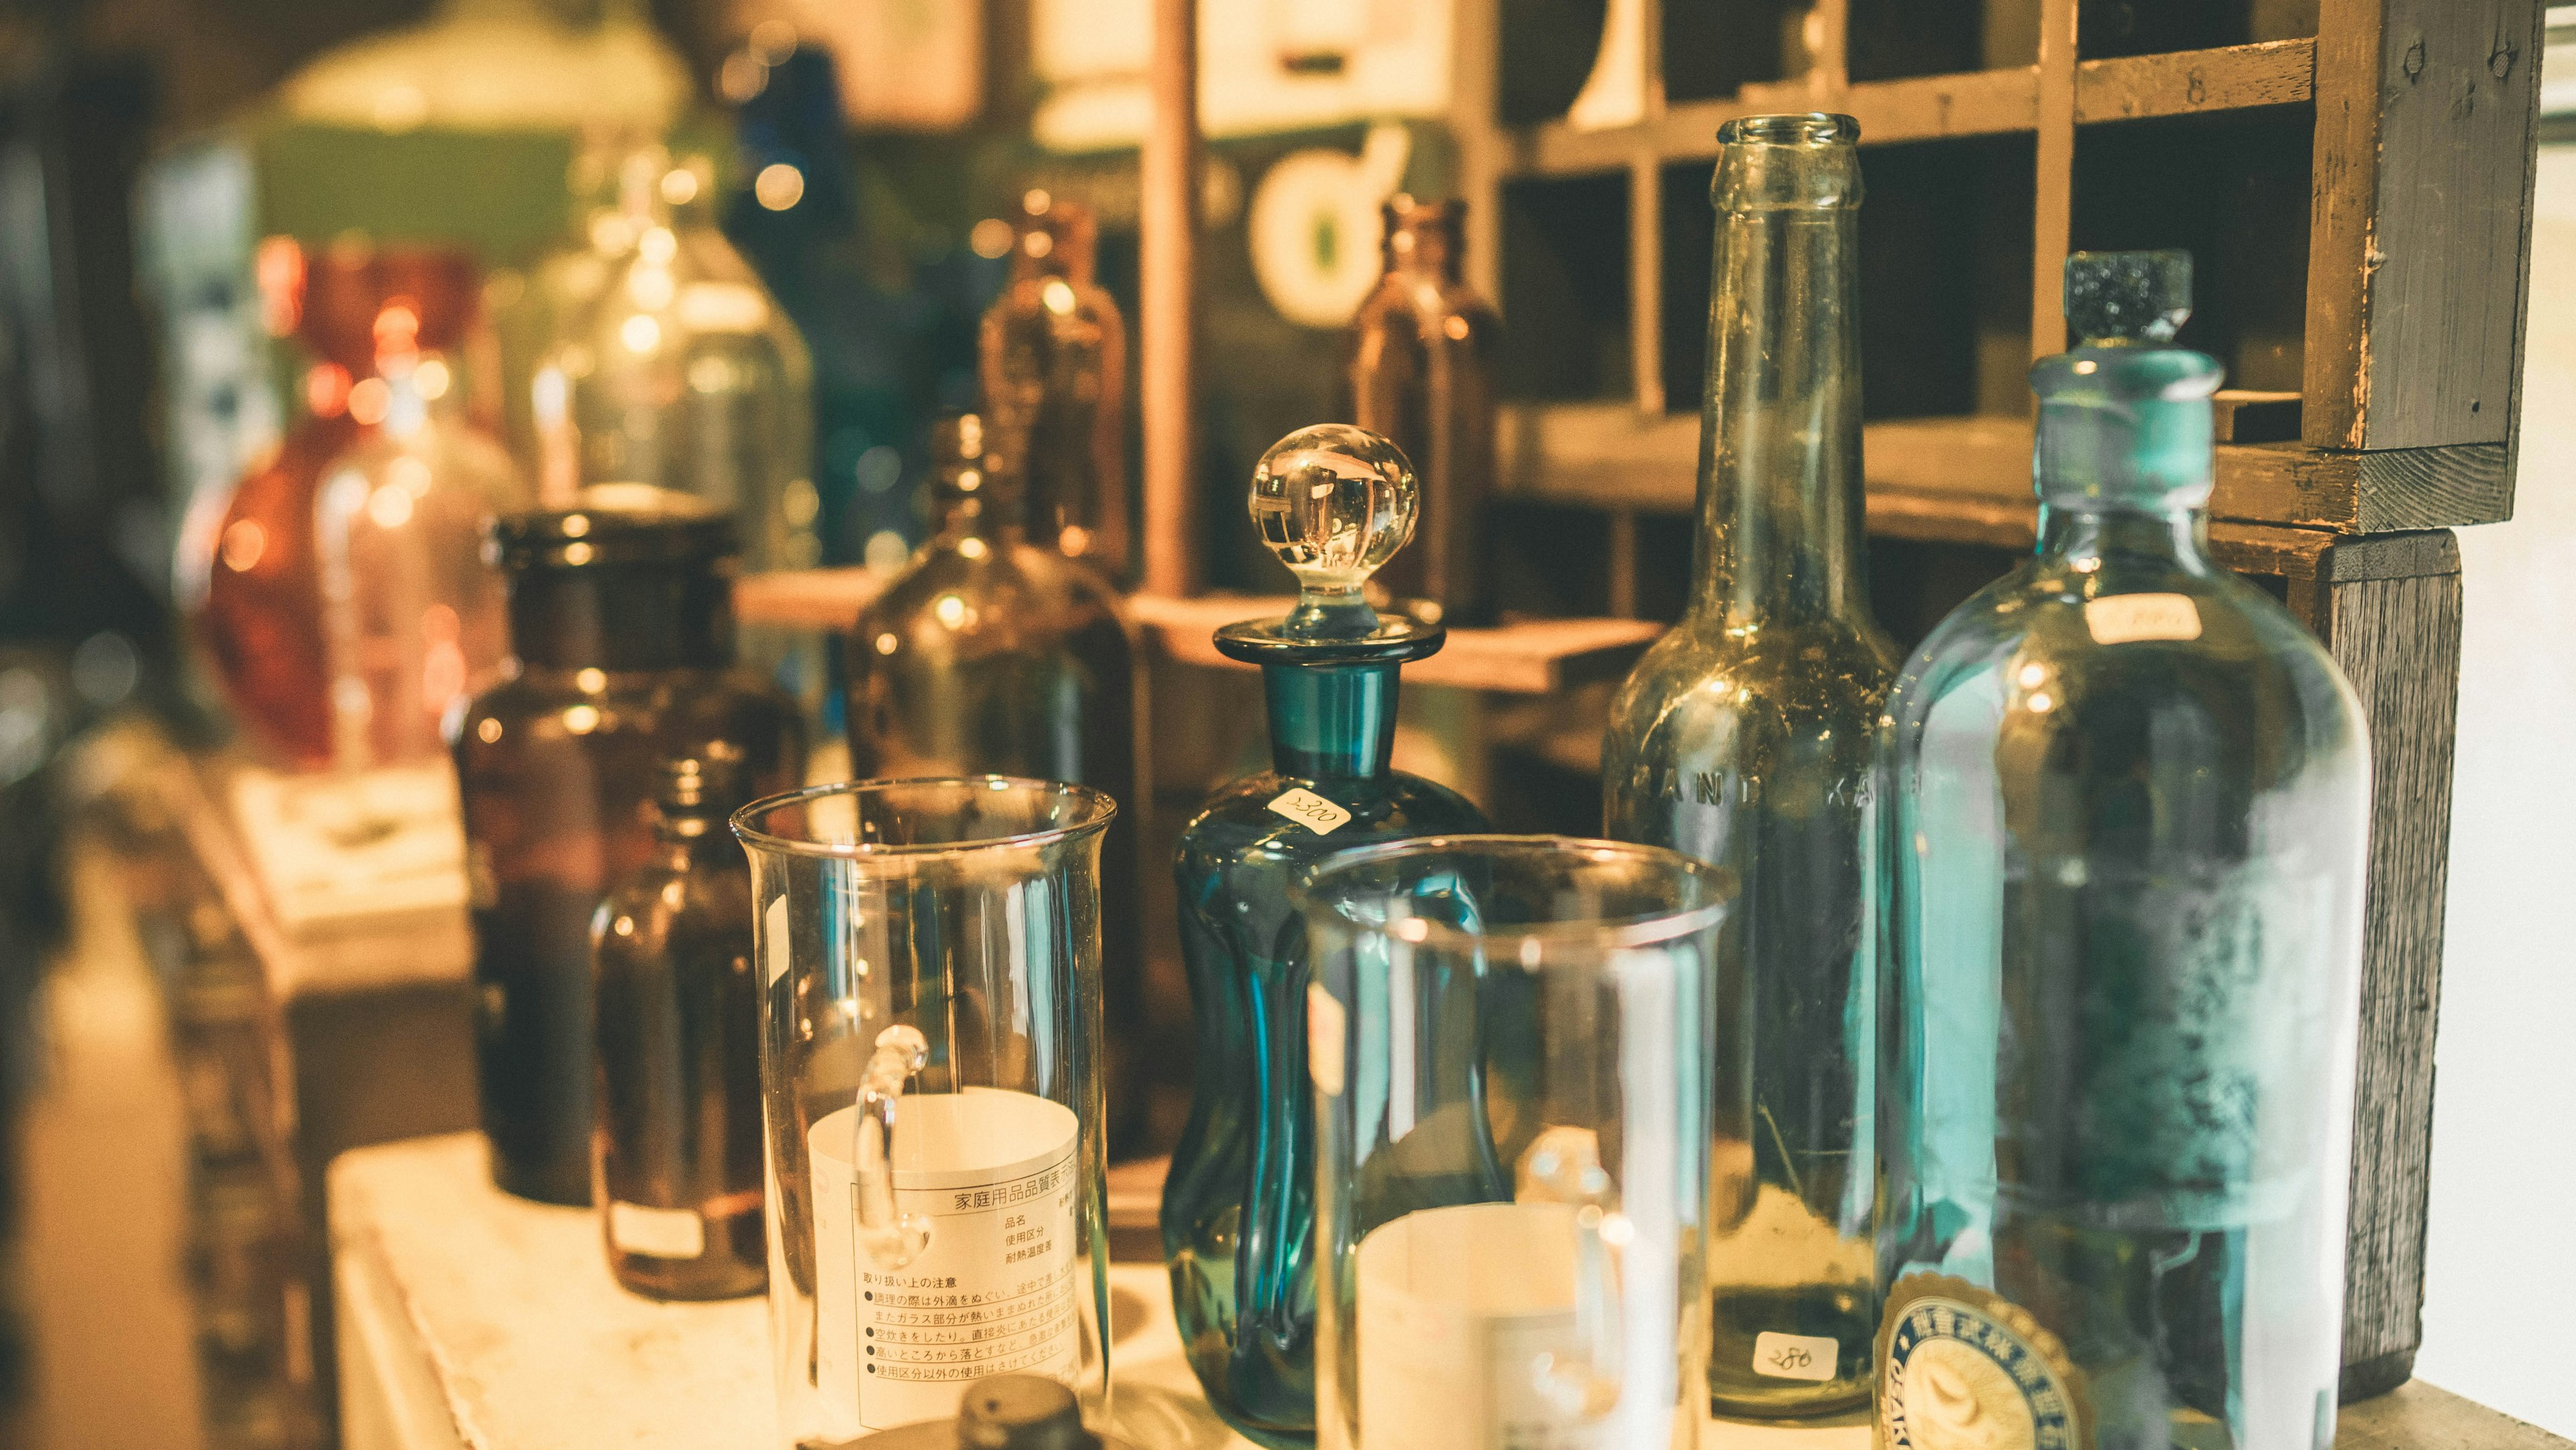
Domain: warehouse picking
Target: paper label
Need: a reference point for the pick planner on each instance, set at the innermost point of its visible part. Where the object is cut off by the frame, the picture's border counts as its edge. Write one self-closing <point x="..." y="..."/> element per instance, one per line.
<point x="1459" y="1310"/>
<point x="773" y="935"/>
<point x="2120" y="618"/>
<point x="1325" y="1026"/>
<point x="331" y="847"/>
<point x="996" y="1289"/>
<point x="1310" y="810"/>
<point x="657" y="1233"/>
<point x="1794" y="1356"/>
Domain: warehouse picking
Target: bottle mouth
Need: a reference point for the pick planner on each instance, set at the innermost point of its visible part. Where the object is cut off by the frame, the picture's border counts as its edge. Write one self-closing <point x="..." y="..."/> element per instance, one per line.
<point x="1812" y="128"/>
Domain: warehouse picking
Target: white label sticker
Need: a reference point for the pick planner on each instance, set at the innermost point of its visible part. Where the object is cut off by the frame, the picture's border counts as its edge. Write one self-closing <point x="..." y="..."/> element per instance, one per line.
<point x="996" y="1288"/>
<point x="1325" y="1024"/>
<point x="773" y="931"/>
<point x="1459" y="1311"/>
<point x="1310" y="810"/>
<point x="1794" y="1356"/>
<point x="2120" y="618"/>
<point x="657" y="1233"/>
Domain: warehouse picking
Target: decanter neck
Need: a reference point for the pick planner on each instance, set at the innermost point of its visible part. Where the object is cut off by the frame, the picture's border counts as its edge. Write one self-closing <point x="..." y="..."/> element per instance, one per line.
<point x="1330" y="721"/>
<point x="1779" y="452"/>
<point x="2089" y="538"/>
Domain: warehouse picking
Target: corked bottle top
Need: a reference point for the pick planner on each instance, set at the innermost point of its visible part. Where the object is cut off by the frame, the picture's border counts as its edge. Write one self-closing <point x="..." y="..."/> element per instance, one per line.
<point x="1334" y="503"/>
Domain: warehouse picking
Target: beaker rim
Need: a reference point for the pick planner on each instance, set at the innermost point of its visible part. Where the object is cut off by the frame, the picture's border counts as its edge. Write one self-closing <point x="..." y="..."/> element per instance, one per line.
<point x="1096" y="808"/>
<point x="1643" y="929"/>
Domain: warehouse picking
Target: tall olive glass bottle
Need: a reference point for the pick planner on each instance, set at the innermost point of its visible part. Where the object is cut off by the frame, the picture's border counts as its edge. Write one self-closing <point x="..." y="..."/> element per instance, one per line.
<point x="1743" y="737"/>
<point x="2127" y="803"/>
<point x="990" y="655"/>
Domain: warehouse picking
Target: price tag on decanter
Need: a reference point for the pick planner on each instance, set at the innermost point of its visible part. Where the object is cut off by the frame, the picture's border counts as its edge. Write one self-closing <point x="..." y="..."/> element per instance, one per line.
<point x="1310" y="810"/>
<point x="997" y="1289"/>
<point x="1795" y="1356"/>
<point x="2121" y="618"/>
<point x="1458" y="1309"/>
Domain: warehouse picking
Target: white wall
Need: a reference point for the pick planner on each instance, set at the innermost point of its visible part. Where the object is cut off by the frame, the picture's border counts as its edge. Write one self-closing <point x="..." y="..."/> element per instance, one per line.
<point x="2501" y="1263"/>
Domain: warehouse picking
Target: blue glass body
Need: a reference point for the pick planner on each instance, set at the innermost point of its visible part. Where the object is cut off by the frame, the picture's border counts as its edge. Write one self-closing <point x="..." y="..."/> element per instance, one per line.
<point x="2122" y="871"/>
<point x="1238" y="1208"/>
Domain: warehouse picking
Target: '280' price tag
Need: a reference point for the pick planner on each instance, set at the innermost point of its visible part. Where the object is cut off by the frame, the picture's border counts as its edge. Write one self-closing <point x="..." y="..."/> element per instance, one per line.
<point x="1310" y="810"/>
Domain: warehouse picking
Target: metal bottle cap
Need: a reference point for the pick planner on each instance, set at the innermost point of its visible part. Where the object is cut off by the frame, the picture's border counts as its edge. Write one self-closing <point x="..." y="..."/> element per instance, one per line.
<point x="1003" y="1412"/>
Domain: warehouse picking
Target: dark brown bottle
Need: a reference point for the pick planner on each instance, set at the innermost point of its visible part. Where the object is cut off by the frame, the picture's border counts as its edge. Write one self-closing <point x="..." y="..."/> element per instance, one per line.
<point x="675" y="1155"/>
<point x="990" y="655"/>
<point x="1418" y="366"/>
<point x="621" y="622"/>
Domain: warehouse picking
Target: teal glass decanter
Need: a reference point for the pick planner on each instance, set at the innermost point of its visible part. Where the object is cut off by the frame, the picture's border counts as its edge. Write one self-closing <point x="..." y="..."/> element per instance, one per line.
<point x="1333" y="503"/>
<point x="1743" y="738"/>
<point x="2122" y="873"/>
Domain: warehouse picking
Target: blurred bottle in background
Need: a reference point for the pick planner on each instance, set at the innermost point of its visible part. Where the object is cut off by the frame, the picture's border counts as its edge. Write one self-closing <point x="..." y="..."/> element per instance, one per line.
<point x="263" y="619"/>
<point x="995" y="655"/>
<point x="682" y="373"/>
<point x="1418" y="360"/>
<point x="1054" y="366"/>
<point x="411" y="607"/>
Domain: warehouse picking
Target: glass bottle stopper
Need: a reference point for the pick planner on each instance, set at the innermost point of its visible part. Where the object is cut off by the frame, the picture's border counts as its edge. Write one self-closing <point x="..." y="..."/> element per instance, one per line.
<point x="2122" y="299"/>
<point x="1334" y="503"/>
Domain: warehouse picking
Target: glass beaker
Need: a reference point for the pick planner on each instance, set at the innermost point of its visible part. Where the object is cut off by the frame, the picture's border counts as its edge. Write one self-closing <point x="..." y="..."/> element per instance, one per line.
<point x="930" y="1070"/>
<point x="1513" y="1041"/>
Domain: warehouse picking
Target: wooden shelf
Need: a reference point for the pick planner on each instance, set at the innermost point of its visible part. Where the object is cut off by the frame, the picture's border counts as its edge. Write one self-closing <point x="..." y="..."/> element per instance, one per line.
<point x="1524" y="657"/>
<point x="1927" y="108"/>
<point x="1967" y="480"/>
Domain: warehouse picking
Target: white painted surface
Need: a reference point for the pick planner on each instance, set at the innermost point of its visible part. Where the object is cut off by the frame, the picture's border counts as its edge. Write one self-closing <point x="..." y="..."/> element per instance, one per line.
<point x="2504" y="1111"/>
<point x="471" y="1320"/>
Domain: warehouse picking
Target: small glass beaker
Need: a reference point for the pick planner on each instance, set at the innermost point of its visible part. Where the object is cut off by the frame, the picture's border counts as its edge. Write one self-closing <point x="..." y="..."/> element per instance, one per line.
<point x="931" y="1090"/>
<point x="1513" y="1042"/>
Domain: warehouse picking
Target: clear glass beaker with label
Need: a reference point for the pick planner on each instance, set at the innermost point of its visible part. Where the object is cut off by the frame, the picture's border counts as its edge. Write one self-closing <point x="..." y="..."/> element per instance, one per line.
<point x="931" y="1091"/>
<point x="1513" y="1043"/>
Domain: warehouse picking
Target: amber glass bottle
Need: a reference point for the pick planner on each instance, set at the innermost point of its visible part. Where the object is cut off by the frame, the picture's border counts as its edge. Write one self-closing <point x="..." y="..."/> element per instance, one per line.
<point x="1418" y="371"/>
<point x="675" y="1156"/>
<point x="1054" y="362"/>
<point x="621" y="621"/>
<point x="990" y="655"/>
<point x="263" y="619"/>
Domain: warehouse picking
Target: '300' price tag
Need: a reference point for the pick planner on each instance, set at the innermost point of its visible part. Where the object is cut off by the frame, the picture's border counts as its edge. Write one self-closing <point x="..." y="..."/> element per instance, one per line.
<point x="1310" y="810"/>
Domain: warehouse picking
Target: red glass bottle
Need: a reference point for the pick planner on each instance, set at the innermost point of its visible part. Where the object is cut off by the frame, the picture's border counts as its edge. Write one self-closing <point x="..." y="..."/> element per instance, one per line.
<point x="263" y="621"/>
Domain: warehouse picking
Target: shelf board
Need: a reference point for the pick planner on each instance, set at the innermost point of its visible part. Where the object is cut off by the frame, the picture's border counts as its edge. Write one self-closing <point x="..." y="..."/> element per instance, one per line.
<point x="1929" y="108"/>
<point x="1523" y="657"/>
<point x="1967" y="480"/>
<point x="1528" y="657"/>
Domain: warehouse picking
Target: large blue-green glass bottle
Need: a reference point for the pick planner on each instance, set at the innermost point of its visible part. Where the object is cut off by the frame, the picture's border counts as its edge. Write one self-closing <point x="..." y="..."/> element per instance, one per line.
<point x="2122" y="873"/>
<point x="1333" y="503"/>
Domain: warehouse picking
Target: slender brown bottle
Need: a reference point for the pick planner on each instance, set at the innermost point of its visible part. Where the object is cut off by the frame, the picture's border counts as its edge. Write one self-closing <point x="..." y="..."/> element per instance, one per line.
<point x="675" y="1154"/>
<point x="621" y="623"/>
<point x="1054" y="364"/>
<point x="1418" y="369"/>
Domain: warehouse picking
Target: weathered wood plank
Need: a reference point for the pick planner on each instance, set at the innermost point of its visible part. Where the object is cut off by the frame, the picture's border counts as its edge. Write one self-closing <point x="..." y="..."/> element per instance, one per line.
<point x="2426" y="114"/>
<point x="2398" y="641"/>
<point x="2231" y="78"/>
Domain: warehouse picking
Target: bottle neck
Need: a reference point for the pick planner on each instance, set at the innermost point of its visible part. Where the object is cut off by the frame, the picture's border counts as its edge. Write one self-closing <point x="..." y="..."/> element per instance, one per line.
<point x="2090" y="537"/>
<point x="1780" y="461"/>
<point x="622" y="617"/>
<point x="1331" y="721"/>
<point x="696" y="835"/>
